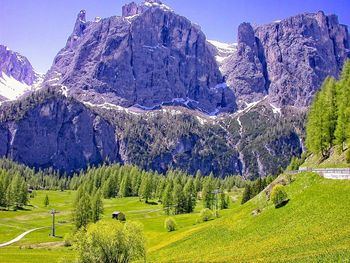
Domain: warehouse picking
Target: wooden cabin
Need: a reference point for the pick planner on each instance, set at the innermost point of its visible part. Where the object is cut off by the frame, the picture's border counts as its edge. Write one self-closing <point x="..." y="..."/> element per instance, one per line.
<point x="118" y="216"/>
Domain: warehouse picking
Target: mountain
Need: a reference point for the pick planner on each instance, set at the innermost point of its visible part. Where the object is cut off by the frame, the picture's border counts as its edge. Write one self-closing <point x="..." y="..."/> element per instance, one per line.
<point x="48" y="130"/>
<point x="146" y="58"/>
<point x="288" y="59"/>
<point x="17" y="75"/>
<point x="168" y="98"/>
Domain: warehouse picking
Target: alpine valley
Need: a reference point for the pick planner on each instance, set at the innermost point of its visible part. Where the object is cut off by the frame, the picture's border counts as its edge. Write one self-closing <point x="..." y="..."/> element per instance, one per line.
<point x="147" y="88"/>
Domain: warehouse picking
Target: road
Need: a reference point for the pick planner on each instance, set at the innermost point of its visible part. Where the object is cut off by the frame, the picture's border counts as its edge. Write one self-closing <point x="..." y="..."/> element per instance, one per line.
<point x="20" y="237"/>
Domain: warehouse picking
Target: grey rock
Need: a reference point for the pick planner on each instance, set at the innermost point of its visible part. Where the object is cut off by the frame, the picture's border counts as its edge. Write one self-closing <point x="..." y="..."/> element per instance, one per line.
<point x="3" y="141"/>
<point x="60" y="134"/>
<point x="17" y="66"/>
<point x="288" y="59"/>
<point x="148" y="57"/>
<point x="245" y="69"/>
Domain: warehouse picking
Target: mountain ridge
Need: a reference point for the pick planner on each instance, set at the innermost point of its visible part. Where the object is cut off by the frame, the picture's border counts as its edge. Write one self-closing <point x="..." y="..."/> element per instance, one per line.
<point x="233" y="122"/>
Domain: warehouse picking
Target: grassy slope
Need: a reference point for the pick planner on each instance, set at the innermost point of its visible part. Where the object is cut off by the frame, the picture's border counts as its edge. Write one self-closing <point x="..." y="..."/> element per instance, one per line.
<point x="39" y="247"/>
<point x="313" y="226"/>
<point x="337" y="159"/>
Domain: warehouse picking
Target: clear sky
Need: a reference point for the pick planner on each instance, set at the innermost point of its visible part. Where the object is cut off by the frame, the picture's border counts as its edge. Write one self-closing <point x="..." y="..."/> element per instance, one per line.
<point x="39" y="28"/>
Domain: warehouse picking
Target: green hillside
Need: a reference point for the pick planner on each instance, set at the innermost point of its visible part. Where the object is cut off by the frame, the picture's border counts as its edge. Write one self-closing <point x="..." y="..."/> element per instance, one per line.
<point x="312" y="227"/>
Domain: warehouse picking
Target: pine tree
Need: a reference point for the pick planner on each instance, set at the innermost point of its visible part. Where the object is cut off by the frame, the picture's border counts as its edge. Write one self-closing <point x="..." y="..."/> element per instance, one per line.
<point x="223" y="200"/>
<point x="190" y="196"/>
<point x="97" y="206"/>
<point x="342" y="132"/>
<point x="179" y="200"/>
<point x="2" y="192"/>
<point x="322" y="119"/>
<point x="82" y="213"/>
<point x="207" y="193"/>
<point x="125" y="187"/>
<point x="198" y="181"/>
<point x="167" y="199"/>
<point x="46" y="201"/>
<point x="146" y="187"/>
<point x="246" y="194"/>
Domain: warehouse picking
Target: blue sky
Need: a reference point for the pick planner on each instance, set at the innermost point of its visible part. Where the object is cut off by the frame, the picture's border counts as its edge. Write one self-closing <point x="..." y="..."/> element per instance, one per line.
<point x="39" y="28"/>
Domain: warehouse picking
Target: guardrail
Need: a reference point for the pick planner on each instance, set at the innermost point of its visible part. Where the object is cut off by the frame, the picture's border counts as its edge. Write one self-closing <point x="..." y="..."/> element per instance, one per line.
<point x="330" y="173"/>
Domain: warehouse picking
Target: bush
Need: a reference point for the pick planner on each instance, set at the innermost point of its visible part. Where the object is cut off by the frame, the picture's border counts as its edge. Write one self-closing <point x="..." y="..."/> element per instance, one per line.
<point x="68" y="240"/>
<point x="170" y="224"/>
<point x="206" y="215"/>
<point x="110" y="242"/>
<point x="279" y="196"/>
<point x="121" y="217"/>
<point x="347" y="156"/>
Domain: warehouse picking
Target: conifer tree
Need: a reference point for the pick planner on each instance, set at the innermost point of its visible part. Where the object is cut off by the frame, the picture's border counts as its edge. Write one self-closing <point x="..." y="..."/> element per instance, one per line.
<point x="246" y="194"/>
<point x="167" y="199"/>
<point x="322" y="119"/>
<point x="97" y="206"/>
<point x="146" y="187"/>
<point x="125" y="187"/>
<point x="190" y="196"/>
<point x="207" y="193"/>
<point x="342" y="131"/>
<point x="46" y="201"/>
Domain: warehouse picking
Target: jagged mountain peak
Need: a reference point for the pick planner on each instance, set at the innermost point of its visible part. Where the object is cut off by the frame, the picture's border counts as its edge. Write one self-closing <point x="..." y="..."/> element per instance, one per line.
<point x="156" y="58"/>
<point x="133" y="8"/>
<point x="269" y="58"/>
<point x="17" y="75"/>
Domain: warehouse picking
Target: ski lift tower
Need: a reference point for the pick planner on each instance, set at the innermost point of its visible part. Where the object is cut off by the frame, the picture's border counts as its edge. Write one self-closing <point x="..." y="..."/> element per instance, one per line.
<point x="53" y="212"/>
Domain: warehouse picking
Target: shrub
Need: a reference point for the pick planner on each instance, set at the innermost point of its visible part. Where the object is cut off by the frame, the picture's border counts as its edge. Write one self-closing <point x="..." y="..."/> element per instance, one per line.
<point x="68" y="240"/>
<point x="170" y="224"/>
<point x="206" y="215"/>
<point x="121" y="217"/>
<point x="279" y="195"/>
<point x="347" y="156"/>
<point x="110" y="242"/>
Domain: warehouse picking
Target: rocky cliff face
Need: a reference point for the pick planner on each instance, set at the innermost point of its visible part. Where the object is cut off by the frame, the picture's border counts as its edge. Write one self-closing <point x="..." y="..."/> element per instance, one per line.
<point x="17" y="66"/>
<point x="147" y="58"/>
<point x="288" y="59"/>
<point x="58" y="133"/>
<point x="125" y="68"/>
<point x="17" y="75"/>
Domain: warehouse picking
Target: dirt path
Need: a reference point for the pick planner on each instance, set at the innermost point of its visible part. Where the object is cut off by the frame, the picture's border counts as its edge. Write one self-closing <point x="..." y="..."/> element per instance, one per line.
<point x="20" y="237"/>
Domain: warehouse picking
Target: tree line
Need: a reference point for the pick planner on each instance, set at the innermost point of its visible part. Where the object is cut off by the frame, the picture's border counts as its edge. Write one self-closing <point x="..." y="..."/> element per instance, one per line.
<point x="328" y="122"/>
<point x="176" y="191"/>
<point x="13" y="190"/>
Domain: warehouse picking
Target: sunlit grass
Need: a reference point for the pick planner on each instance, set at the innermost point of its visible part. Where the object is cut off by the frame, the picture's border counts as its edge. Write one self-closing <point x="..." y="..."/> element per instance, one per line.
<point x="312" y="227"/>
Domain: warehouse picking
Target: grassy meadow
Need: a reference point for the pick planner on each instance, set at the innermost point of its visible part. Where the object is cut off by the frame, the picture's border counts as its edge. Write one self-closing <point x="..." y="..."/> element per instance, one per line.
<point x="313" y="227"/>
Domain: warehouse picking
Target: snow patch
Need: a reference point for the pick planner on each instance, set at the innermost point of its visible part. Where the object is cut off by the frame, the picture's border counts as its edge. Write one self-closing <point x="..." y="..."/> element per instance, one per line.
<point x="64" y="91"/>
<point x="202" y="121"/>
<point x="223" y="51"/>
<point x="130" y="18"/>
<point x="11" y="88"/>
<point x="253" y="104"/>
<point x="110" y="106"/>
<point x="275" y="109"/>
<point x="160" y="5"/>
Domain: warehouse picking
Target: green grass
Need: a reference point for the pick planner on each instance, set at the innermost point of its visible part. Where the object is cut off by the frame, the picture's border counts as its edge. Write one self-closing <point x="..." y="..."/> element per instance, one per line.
<point x="337" y="159"/>
<point x="312" y="227"/>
